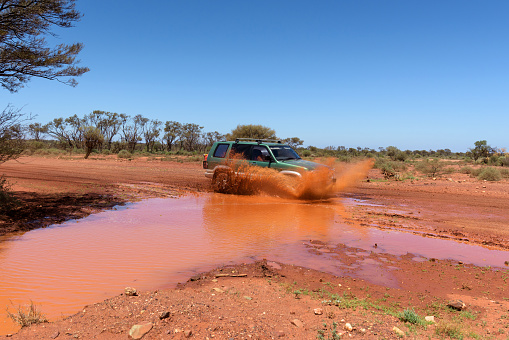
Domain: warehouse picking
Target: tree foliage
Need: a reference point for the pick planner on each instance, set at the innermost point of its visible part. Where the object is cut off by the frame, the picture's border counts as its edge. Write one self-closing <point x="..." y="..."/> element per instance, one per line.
<point x="92" y="138"/>
<point x="252" y="131"/>
<point x="481" y="150"/>
<point x="24" y="51"/>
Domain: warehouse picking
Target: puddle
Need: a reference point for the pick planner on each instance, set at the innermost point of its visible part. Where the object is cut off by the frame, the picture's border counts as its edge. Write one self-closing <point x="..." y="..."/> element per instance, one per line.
<point x="157" y="243"/>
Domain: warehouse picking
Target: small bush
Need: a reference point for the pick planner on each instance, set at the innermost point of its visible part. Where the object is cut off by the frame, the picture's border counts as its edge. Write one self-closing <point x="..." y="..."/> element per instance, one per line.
<point x="306" y="153"/>
<point x="450" y="330"/>
<point x="490" y="174"/>
<point x="504" y="173"/>
<point x="106" y="152"/>
<point x="410" y="316"/>
<point x="124" y="154"/>
<point x="27" y="316"/>
<point x="466" y="170"/>
<point x="504" y="161"/>
<point x="431" y="168"/>
<point x="6" y="199"/>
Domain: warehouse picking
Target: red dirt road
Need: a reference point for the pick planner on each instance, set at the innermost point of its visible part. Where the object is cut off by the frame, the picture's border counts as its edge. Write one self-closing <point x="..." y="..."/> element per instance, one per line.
<point x="264" y="304"/>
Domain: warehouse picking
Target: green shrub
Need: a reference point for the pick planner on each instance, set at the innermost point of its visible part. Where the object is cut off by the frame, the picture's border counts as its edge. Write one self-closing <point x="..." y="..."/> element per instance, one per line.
<point x="106" y="152"/>
<point x="306" y="153"/>
<point x="504" y="173"/>
<point x="124" y="154"/>
<point x="490" y="174"/>
<point x="466" y="170"/>
<point x="504" y="161"/>
<point x="431" y="168"/>
<point x="410" y="316"/>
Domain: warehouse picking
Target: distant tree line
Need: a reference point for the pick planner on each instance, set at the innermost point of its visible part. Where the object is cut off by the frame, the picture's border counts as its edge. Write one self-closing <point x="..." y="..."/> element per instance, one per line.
<point x="102" y="130"/>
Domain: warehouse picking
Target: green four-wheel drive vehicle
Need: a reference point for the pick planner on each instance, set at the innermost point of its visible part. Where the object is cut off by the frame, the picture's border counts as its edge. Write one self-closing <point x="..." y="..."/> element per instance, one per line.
<point x="224" y="159"/>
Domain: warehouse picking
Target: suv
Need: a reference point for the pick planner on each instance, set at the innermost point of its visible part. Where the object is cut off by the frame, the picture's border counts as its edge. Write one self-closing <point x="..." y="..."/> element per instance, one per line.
<point x="225" y="158"/>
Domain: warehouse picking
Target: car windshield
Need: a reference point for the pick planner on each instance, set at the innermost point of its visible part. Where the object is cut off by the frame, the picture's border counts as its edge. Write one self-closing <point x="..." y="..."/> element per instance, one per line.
<point x="283" y="152"/>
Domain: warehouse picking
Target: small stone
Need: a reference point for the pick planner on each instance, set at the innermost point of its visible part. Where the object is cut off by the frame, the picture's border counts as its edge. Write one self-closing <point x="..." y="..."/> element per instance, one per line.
<point x="348" y="327"/>
<point x="280" y="334"/>
<point x="188" y="333"/>
<point x="363" y="330"/>
<point x="55" y="335"/>
<point x="164" y="315"/>
<point x="457" y="304"/>
<point x="219" y="290"/>
<point x="430" y="318"/>
<point x="130" y="291"/>
<point x="398" y="331"/>
<point x="298" y="323"/>
<point x="318" y="311"/>
<point x="138" y="331"/>
<point x="248" y="298"/>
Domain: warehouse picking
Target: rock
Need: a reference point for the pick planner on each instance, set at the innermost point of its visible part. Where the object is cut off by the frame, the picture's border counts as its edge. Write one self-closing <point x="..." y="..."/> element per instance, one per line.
<point x="130" y="291"/>
<point x="164" y="315"/>
<point x="138" y="331"/>
<point x="280" y="334"/>
<point x="248" y="298"/>
<point x="348" y="327"/>
<point x="457" y="304"/>
<point x="298" y="323"/>
<point x="219" y="290"/>
<point x="274" y="265"/>
<point x="430" y="318"/>
<point x="55" y="335"/>
<point x="188" y="333"/>
<point x="398" y="331"/>
<point x="318" y="311"/>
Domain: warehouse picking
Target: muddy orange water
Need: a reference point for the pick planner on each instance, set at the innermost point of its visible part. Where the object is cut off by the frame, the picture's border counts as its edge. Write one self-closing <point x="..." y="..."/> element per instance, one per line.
<point x="157" y="243"/>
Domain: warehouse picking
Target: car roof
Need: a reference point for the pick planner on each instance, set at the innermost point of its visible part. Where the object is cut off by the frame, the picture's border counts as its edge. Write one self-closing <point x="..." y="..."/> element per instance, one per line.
<point x="252" y="141"/>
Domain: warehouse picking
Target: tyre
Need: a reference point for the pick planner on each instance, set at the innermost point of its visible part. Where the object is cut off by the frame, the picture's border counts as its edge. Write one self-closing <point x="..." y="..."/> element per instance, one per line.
<point x="221" y="182"/>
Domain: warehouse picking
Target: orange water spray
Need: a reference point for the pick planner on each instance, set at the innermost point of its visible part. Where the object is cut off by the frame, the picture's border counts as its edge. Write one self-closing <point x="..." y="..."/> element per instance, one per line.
<point x="312" y="185"/>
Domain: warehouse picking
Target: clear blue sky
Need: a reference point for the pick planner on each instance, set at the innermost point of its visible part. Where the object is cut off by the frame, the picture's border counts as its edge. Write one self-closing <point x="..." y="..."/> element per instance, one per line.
<point x="413" y="74"/>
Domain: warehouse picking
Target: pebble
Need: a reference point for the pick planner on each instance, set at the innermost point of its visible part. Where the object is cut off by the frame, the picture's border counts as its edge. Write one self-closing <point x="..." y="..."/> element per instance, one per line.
<point x="138" y="331"/>
<point x="348" y="327"/>
<point x="164" y="315"/>
<point x="430" y="318"/>
<point x="457" y="304"/>
<point x="318" y="311"/>
<point x="398" y="331"/>
<point x="130" y="291"/>
<point x="297" y="322"/>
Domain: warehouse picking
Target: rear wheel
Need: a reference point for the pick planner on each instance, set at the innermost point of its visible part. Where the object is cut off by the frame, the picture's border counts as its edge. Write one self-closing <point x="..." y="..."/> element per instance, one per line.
<point x="221" y="181"/>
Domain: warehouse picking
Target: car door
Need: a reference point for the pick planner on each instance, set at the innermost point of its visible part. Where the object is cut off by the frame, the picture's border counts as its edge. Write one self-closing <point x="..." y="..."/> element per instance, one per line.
<point x="260" y="156"/>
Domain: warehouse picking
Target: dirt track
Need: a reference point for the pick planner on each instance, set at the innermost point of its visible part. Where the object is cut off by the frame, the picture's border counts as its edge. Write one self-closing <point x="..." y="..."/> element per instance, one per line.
<point x="456" y="207"/>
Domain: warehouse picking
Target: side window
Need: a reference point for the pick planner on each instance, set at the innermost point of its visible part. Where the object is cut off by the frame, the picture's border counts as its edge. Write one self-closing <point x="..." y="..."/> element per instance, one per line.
<point x="259" y="153"/>
<point x="220" y="151"/>
<point x="240" y="151"/>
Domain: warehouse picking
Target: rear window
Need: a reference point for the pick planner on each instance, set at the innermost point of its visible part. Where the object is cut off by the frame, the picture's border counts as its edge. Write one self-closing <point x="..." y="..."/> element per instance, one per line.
<point x="221" y="151"/>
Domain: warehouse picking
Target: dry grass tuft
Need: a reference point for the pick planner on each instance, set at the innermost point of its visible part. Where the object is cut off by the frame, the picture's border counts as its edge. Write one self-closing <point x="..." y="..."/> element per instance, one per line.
<point x="26" y="315"/>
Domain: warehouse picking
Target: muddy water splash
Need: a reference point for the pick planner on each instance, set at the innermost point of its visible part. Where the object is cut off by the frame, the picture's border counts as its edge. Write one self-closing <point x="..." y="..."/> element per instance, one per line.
<point x="312" y="185"/>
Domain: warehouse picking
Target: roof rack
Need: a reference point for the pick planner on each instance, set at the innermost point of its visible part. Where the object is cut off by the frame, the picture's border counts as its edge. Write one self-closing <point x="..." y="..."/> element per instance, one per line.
<point x="258" y="140"/>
